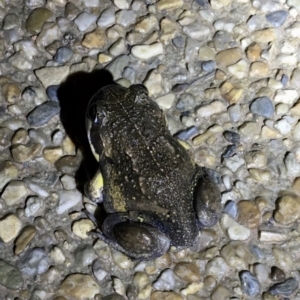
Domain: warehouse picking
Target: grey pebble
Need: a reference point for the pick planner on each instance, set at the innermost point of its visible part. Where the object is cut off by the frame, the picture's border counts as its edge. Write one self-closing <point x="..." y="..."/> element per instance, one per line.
<point x="250" y="284"/>
<point x="262" y="106"/>
<point x="179" y="41"/>
<point x="235" y="112"/>
<point x="203" y="3"/>
<point x="285" y="288"/>
<point x="208" y="66"/>
<point x="85" y="255"/>
<point x="277" y="18"/>
<point x="256" y="251"/>
<point x="178" y="88"/>
<point x="126" y="17"/>
<point x="222" y="40"/>
<point x="34" y="262"/>
<point x="10" y="276"/>
<point x="117" y="66"/>
<point x="43" y="113"/>
<point x="63" y="54"/>
<point x="52" y="92"/>
<point x="232" y="137"/>
<point x="284" y="80"/>
<point x="11" y="21"/>
<point x="229" y="151"/>
<point x="187" y="133"/>
<point x="129" y="73"/>
<point x="231" y="209"/>
<point x="185" y="102"/>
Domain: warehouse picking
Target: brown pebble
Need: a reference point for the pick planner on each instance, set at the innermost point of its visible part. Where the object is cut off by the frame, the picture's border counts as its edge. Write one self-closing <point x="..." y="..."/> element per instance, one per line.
<point x="296" y="186"/>
<point x="249" y="214"/>
<point x="24" y="239"/>
<point x="253" y="52"/>
<point x="259" y="69"/>
<point x="188" y="272"/>
<point x="165" y="296"/>
<point x="277" y="274"/>
<point x="229" y="57"/>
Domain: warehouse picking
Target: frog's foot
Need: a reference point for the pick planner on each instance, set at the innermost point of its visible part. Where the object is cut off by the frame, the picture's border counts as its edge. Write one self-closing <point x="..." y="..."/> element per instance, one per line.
<point x="94" y="188"/>
<point x="138" y="240"/>
<point x="207" y="204"/>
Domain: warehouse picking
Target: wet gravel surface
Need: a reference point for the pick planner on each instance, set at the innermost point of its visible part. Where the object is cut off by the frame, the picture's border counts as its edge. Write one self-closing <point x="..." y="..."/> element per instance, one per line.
<point x="226" y="73"/>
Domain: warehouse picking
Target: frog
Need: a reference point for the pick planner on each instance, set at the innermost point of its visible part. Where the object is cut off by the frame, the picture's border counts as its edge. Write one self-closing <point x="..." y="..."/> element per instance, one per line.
<point x="153" y="193"/>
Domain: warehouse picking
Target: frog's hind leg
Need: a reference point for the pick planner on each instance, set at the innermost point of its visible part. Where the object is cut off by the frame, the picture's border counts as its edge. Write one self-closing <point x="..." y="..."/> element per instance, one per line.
<point x="207" y="197"/>
<point x="137" y="239"/>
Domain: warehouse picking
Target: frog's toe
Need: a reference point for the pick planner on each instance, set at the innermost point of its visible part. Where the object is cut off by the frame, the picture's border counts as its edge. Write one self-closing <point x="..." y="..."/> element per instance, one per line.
<point x="208" y="205"/>
<point x="141" y="240"/>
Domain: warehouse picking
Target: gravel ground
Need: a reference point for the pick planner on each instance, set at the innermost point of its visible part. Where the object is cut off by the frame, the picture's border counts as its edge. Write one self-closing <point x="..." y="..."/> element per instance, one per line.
<point x="225" y="73"/>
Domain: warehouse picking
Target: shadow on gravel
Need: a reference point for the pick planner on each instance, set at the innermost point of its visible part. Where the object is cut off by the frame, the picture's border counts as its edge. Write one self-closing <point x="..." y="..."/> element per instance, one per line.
<point x="74" y="95"/>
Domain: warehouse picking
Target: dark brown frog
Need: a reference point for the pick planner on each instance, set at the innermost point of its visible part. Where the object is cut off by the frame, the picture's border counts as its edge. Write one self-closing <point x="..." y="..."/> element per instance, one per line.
<point x="153" y="193"/>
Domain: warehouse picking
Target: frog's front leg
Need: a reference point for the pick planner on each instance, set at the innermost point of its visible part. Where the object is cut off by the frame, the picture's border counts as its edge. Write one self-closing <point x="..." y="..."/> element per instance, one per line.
<point x="94" y="188"/>
<point x="207" y="198"/>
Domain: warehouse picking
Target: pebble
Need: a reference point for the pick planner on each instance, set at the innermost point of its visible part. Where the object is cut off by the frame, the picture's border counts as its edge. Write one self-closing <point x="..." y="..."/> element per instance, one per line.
<point x="234" y="162"/>
<point x="288" y="209"/>
<point x="221" y="292"/>
<point x="196" y="30"/>
<point x="277" y="274"/>
<point x="10" y="227"/>
<point x="229" y="57"/>
<point x="262" y="106"/>
<point x="146" y="52"/>
<point x="165" y="281"/>
<point x="63" y="55"/>
<point x="5" y="137"/>
<point x="52" y="75"/>
<point x="34" y="262"/>
<point x="107" y="18"/>
<point x="117" y="66"/>
<point x="25" y="153"/>
<point x="259" y="69"/>
<point x="33" y="205"/>
<point x="24" y="239"/>
<point x="85" y="20"/>
<point x="36" y="188"/>
<point x="126" y="17"/>
<point x="82" y="227"/>
<point x="20" y="62"/>
<point x="52" y="154"/>
<point x="249" y="214"/>
<point x="20" y="137"/>
<point x="283" y="259"/>
<point x="153" y="83"/>
<point x="250" y="284"/>
<point x="67" y="200"/>
<point x="285" y="288"/>
<point x="122" y="260"/>
<point x="11" y="92"/>
<point x="234" y="230"/>
<point x="218" y="268"/>
<point x="277" y="18"/>
<point x="214" y="107"/>
<point x="42" y="114"/>
<point x="259" y="175"/>
<point x="10" y="276"/>
<point x="37" y="18"/>
<point x="201" y="138"/>
<point x="98" y="271"/>
<point x="237" y="255"/>
<point x="94" y="39"/>
<point x="79" y="286"/>
<point x="291" y="164"/>
<point x="8" y="172"/>
<point x="187" y="272"/>
<point x="239" y="69"/>
<point x="168" y="4"/>
<point x="231" y="209"/>
<point x="14" y="192"/>
<point x="158" y="295"/>
<point x="166" y="101"/>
